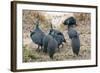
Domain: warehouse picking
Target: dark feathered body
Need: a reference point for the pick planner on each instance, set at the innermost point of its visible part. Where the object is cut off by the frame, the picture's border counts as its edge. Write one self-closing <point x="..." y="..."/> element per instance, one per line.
<point x="46" y="40"/>
<point x="75" y="41"/>
<point x="72" y="32"/>
<point x="50" y="45"/>
<point x="37" y="36"/>
<point x="59" y="37"/>
<point x="75" y="45"/>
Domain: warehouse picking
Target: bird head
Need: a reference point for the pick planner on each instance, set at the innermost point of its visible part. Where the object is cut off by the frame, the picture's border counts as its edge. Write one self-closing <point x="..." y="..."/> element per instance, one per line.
<point x="70" y="21"/>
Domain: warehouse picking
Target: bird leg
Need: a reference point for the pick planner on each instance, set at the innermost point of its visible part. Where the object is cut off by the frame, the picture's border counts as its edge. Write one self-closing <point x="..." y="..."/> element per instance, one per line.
<point x="38" y="50"/>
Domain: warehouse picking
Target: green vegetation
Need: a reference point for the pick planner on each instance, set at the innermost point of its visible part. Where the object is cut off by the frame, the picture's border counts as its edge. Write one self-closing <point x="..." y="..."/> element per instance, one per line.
<point x="29" y="55"/>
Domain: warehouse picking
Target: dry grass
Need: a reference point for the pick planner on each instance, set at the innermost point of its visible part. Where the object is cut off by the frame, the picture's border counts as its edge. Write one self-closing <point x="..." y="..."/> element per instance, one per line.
<point x="29" y="48"/>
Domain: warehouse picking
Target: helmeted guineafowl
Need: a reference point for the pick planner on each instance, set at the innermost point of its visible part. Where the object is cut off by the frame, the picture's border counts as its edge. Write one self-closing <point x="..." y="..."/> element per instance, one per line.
<point x="49" y="45"/>
<point x="73" y="34"/>
<point x="37" y="36"/>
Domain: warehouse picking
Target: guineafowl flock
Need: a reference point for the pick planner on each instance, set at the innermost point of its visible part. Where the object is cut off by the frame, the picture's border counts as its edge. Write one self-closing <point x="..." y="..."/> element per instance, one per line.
<point x="50" y="43"/>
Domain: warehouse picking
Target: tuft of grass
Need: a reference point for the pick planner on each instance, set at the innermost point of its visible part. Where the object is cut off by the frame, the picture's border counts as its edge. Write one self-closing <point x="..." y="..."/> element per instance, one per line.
<point x="29" y="55"/>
